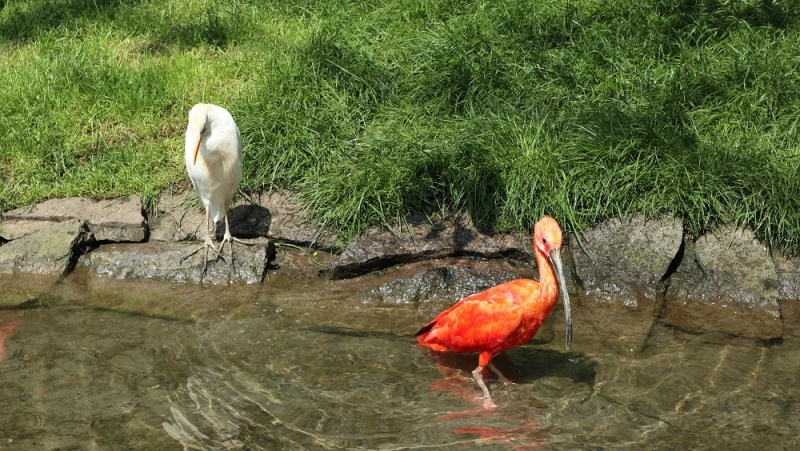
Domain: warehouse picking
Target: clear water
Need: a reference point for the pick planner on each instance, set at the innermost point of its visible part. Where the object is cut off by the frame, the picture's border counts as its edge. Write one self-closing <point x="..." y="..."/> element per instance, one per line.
<point x="115" y="365"/>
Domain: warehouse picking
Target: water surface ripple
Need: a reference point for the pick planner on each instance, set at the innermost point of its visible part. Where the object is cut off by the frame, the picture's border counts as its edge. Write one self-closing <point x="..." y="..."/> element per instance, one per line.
<point x="312" y="368"/>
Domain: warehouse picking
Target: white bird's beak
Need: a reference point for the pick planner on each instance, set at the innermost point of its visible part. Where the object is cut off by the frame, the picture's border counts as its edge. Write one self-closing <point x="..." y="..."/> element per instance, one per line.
<point x="197" y="146"/>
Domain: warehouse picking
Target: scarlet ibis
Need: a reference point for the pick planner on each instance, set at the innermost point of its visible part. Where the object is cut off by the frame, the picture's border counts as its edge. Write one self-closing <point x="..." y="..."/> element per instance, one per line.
<point x="214" y="163"/>
<point x="507" y="315"/>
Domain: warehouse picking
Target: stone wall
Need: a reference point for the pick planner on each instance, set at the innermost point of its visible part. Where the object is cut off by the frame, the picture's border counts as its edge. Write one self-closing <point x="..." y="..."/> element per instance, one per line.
<point x="624" y="274"/>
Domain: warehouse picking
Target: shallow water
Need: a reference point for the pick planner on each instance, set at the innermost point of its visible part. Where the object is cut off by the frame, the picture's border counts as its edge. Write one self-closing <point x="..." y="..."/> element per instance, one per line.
<point x="291" y="366"/>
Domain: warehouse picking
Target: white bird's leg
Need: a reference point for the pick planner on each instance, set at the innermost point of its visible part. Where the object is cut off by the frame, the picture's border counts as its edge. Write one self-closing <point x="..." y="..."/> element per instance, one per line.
<point x="230" y="239"/>
<point x="500" y="376"/>
<point x="487" y="398"/>
<point x="227" y="237"/>
<point x="208" y="244"/>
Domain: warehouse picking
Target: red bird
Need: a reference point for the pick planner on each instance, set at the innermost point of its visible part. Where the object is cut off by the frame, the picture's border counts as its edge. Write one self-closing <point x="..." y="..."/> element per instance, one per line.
<point x="507" y="315"/>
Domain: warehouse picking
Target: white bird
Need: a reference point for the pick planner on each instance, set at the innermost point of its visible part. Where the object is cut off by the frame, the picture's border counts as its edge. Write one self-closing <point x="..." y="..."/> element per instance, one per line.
<point x="214" y="163"/>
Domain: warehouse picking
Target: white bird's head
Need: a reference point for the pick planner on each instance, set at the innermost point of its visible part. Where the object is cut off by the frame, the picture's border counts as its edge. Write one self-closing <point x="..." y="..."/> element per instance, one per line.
<point x="198" y="122"/>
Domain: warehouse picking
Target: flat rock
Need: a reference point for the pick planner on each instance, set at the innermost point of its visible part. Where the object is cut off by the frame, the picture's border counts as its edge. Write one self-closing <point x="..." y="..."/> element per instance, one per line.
<point x="178" y="217"/>
<point x="161" y="261"/>
<point x="380" y="248"/>
<point x="117" y="220"/>
<point x="281" y="218"/>
<point x="621" y="263"/>
<point x="727" y="283"/>
<point x="276" y="216"/>
<point x="41" y="247"/>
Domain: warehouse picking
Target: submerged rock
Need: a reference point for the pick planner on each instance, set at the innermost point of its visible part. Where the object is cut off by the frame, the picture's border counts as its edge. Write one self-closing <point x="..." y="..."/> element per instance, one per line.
<point x="725" y="283"/>
<point x="296" y="263"/>
<point x="444" y="285"/>
<point x="163" y="262"/>
<point x="117" y="220"/>
<point x="41" y="247"/>
<point x="790" y="317"/>
<point x="788" y="271"/>
<point x="621" y="264"/>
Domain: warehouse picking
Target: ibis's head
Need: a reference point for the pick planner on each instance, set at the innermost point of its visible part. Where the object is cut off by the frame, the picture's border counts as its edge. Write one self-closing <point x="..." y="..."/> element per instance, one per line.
<point x="547" y="240"/>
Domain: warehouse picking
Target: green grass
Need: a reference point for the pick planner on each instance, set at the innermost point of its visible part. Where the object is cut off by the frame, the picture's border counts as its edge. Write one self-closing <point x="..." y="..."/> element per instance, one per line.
<point x="373" y="110"/>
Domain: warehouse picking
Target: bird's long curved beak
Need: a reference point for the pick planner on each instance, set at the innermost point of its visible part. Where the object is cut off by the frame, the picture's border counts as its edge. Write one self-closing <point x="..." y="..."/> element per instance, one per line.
<point x="197" y="146"/>
<point x="555" y="262"/>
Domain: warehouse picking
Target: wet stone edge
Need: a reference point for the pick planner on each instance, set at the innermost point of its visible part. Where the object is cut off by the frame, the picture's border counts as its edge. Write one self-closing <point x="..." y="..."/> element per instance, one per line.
<point x="724" y="281"/>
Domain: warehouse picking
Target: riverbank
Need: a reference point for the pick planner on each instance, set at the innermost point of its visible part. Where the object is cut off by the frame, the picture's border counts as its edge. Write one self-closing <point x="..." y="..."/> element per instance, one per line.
<point x="625" y="275"/>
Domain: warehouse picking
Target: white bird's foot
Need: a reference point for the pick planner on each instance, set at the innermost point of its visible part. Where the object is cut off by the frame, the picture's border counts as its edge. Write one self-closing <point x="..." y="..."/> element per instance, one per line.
<point x="237" y="240"/>
<point x="210" y="245"/>
<point x="205" y="247"/>
<point x="186" y="257"/>
<point x="228" y="238"/>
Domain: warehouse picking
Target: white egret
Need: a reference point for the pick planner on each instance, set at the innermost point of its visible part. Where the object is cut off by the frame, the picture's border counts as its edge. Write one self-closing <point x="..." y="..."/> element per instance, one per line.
<point x="214" y="163"/>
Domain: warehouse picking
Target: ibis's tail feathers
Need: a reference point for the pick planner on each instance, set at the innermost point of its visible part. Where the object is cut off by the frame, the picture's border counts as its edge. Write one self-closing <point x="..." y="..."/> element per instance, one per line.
<point x="425" y="329"/>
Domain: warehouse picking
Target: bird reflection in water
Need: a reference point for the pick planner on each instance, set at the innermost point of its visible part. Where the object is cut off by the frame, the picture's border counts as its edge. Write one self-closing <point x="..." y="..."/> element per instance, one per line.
<point x="515" y="428"/>
<point x="8" y="323"/>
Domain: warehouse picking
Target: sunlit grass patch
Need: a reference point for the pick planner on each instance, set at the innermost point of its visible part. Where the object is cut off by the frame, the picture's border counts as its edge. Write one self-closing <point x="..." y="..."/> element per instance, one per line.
<point x="375" y="110"/>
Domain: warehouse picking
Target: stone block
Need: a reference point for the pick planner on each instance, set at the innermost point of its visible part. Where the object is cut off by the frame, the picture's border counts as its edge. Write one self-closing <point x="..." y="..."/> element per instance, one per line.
<point x="276" y="216"/>
<point x="117" y="220"/>
<point x="41" y="247"/>
<point x="162" y="261"/>
<point x="380" y="248"/>
<point x="725" y="283"/>
<point x="619" y="266"/>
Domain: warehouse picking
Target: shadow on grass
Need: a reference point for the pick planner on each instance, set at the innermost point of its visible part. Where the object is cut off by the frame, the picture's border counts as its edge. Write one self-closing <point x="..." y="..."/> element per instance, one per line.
<point x="214" y="27"/>
<point x="25" y="22"/>
<point x="688" y="15"/>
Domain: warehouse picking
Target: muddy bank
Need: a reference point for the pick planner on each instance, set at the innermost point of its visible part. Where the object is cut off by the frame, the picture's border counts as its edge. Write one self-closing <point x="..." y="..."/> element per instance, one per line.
<point x="624" y="275"/>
